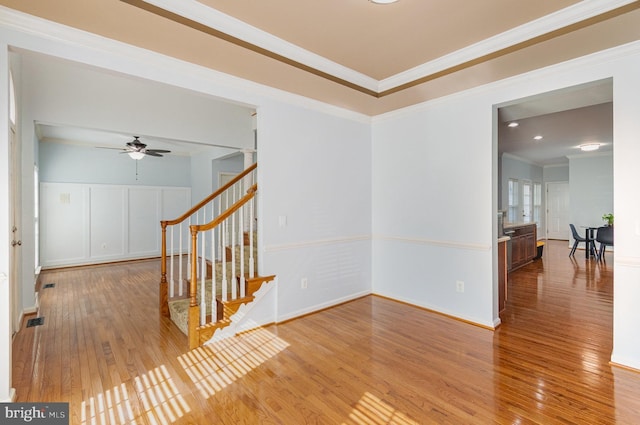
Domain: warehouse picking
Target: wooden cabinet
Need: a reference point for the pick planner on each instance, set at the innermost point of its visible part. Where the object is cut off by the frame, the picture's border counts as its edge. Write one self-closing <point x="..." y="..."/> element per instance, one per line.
<point x="523" y="245"/>
<point x="502" y="274"/>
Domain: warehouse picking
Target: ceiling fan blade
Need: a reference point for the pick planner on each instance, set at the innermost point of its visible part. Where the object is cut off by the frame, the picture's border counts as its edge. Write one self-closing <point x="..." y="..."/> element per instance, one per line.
<point x="151" y="153"/>
<point x="157" y="151"/>
<point x="105" y="147"/>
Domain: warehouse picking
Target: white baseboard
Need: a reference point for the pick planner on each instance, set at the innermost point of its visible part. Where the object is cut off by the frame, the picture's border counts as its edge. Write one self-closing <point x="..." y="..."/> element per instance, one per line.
<point x="322" y="306"/>
<point x="12" y="396"/>
<point x="30" y="310"/>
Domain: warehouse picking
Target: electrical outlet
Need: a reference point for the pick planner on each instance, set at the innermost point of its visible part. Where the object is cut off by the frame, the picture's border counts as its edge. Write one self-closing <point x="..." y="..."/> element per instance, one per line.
<point x="303" y="283"/>
<point x="459" y="286"/>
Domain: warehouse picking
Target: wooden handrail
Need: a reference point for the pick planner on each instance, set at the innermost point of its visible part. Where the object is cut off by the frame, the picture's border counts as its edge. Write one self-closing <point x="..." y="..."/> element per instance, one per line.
<point x="209" y="198"/>
<point x="195" y="228"/>
<point x="233" y="208"/>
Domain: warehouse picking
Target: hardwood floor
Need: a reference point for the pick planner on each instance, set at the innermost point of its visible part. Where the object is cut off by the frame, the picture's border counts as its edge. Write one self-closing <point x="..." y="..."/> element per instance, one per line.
<point x="105" y="350"/>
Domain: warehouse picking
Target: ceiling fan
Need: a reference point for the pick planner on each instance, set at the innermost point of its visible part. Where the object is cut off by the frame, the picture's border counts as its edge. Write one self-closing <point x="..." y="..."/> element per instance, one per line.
<point x="138" y="150"/>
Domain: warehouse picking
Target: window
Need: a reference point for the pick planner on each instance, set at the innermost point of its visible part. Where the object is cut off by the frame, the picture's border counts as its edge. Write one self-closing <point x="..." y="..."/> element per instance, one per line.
<point x="537" y="202"/>
<point x="513" y="207"/>
<point x="527" y="201"/>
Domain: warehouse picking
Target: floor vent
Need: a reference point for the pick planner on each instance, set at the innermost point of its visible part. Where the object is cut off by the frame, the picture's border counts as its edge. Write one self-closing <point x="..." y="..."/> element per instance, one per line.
<point x="35" y="322"/>
<point x="49" y="285"/>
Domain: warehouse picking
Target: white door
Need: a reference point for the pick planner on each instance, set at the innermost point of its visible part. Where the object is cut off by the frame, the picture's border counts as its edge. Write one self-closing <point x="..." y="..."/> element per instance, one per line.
<point x="15" y="199"/>
<point x="558" y="211"/>
<point x="229" y="197"/>
<point x="15" y="251"/>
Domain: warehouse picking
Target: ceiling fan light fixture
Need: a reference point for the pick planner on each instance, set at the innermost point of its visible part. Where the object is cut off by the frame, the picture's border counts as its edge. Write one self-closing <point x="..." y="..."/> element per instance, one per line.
<point x="383" y="1"/>
<point x="136" y="155"/>
<point x="589" y="147"/>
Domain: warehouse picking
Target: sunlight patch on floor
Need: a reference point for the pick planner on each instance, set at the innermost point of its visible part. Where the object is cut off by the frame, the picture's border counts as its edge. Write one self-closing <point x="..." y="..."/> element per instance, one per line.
<point x="111" y="407"/>
<point x="213" y="367"/>
<point x="370" y="410"/>
<point x="161" y="400"/>
<point x="162" y="403"/>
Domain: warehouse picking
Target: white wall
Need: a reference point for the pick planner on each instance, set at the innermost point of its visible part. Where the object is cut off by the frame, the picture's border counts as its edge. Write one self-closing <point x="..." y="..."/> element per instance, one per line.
<point x="432" y="194"/>
<point x="204" y="174"/>
<point x="590" y="188"/>
<point x="556" y="173"/>
<point x="59" y="162"/>
<point x="432" y="206"/>
<point x="314" y="172"/>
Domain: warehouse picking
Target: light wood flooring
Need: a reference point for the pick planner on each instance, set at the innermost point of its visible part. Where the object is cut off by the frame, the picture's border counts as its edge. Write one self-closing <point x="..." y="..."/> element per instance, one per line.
<point x="105" y="350"/>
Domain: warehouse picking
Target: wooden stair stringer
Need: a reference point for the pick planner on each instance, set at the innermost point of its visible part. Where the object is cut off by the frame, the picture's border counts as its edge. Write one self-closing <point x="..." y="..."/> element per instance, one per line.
<point x="237" y="318"/>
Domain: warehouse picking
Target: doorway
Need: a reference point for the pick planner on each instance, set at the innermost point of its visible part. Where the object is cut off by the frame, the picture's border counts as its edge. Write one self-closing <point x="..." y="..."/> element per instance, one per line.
<point x="539" y="138"/>
<point x="557" y="210"/>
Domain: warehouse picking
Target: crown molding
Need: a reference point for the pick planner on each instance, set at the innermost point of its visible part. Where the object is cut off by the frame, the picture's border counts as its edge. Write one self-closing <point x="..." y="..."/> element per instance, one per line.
<point x="214" y="19"/>
<point x="517" y="158"/>
<point x="30" y="33"/>
<point x="297" y="56"/>
<point x="573" y="14"/>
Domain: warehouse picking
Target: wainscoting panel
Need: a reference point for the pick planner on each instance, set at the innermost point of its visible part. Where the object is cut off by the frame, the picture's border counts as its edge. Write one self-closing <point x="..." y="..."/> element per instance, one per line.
<point x="144" y="221"/>
<point x="64" y="232"/>
<point x="107" y="205"/>
<point x="93" y="223"/>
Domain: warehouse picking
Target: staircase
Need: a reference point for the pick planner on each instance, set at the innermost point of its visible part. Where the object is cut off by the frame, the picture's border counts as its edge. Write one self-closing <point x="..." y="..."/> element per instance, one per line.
<point x="209" y="261"/>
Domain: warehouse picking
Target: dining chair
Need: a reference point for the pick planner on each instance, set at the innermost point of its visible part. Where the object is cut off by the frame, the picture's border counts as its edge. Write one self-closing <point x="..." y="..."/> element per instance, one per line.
<point x="577" y="239"/>
<point x="605" y="237"/>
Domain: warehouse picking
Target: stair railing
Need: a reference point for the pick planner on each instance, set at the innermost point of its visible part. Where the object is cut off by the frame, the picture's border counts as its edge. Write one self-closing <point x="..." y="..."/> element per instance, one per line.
<point x="227" y="282"/>
<point x="177" y="232"/>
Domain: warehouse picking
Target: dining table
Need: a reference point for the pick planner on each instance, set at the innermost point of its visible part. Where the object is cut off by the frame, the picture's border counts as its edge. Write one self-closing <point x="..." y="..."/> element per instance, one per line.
<point x="590" y="249"/>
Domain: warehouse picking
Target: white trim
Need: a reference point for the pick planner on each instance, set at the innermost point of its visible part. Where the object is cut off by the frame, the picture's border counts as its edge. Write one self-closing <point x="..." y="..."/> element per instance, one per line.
<point x="318" y="242"/>
<point x="589" y="155"/>
<point x="554" y="21"/>
<point x="29" y="310"/>
<point x="12" y="396"/>
<point x="566" y="164"/>
<point x="626" y="261"/>
<point x="212" y="18"/>
<point x="553" y="70"/>
<point x="196" y="11"/>
<point x="433" y="242"/>
<point x="452" y="315"/>
<point x="322" y="306"/>
<point x="517" y="158"/>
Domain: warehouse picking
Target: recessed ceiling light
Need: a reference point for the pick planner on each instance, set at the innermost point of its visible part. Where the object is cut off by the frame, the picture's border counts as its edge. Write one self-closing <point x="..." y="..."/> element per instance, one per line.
<point x="588" y="147"/>
<point x="537" y="138"/>
<point x="383" y="1"/>
<point x="513" y="124"/>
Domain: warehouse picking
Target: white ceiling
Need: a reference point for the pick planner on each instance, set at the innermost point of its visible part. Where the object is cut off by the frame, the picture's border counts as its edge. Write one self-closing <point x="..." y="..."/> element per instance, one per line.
<point x="565" y="119"/>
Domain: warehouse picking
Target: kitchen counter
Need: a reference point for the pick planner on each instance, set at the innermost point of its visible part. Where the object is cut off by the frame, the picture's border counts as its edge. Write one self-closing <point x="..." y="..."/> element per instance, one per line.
<point x="517" y="224"/>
